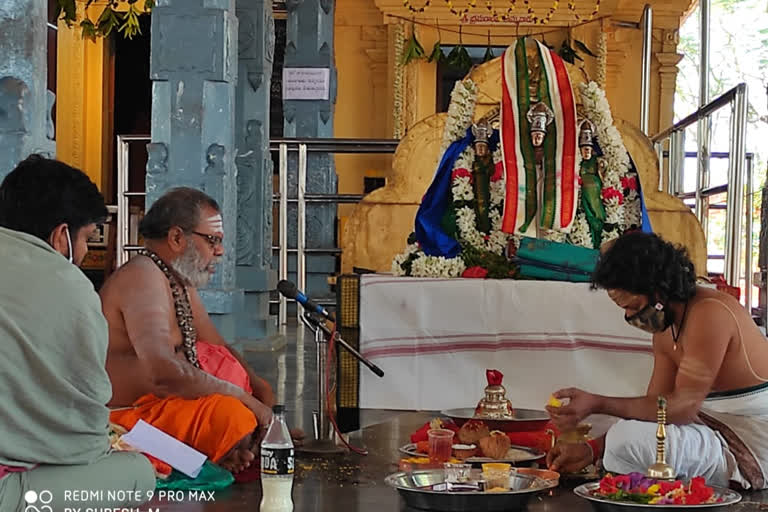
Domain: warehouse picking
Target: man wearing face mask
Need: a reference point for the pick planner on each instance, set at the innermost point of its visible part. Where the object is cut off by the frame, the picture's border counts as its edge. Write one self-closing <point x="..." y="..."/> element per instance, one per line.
<point x="168" y="364"/>
<point x="55" y="387"/>
<point x="710" y="363"/>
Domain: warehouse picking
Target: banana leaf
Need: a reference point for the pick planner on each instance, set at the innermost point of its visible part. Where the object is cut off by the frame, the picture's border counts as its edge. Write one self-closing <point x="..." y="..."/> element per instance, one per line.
<point x="414" y="50"/>
<point x="437" y="54"/>
<point x="459" y="59"/>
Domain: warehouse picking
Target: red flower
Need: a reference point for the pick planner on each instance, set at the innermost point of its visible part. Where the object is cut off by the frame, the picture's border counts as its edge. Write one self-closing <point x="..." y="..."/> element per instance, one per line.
<point x="665" y="487"/>
<point x="622" y="482"/>
<point x="607" y="485"/>
<point x="497" y="172"/>
<point x="581" y="182"/>
<point x="610" y="192"/>
<point x="461" y="173"/>
<point x="475" y="272"/>
<point x="629" y="182"/>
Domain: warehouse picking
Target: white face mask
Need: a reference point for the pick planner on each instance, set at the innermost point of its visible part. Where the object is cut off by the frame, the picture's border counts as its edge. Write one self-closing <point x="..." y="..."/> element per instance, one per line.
<point x="70" y="258"/>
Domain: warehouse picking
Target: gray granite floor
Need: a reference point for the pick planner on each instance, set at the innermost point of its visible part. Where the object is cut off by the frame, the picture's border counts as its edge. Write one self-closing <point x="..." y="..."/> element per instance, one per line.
<point x="349" y="482"/>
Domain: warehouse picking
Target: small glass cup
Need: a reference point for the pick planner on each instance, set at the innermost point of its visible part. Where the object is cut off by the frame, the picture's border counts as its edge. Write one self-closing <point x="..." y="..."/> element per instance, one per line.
<point x="440" y="444"/>
<point x="457" y="473"/>
<point x="497" y="476"/>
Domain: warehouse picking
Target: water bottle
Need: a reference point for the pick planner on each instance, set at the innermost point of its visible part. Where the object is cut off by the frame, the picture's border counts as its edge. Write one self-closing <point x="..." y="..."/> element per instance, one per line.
<point x="277" y="465"/>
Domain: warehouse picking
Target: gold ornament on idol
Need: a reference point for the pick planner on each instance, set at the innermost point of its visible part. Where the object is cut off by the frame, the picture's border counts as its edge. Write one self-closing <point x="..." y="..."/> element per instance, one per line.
<point x="661" y="470"/>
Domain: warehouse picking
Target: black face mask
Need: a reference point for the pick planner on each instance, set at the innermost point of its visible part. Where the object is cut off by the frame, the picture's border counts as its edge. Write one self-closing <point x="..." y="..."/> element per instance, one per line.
<point x="651" y="319"/>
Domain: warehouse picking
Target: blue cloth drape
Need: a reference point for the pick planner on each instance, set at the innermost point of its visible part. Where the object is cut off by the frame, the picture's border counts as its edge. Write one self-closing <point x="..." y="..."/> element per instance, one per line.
<point x="429" y="232"/>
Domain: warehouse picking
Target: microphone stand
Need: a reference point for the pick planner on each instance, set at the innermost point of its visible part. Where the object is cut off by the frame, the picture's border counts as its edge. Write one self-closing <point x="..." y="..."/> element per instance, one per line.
<point x="324" y="434"/>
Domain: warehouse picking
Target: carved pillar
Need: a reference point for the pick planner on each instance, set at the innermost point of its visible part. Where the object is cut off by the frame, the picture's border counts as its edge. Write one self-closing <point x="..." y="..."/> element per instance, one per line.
<point x="25" y="104"/>
<point x="194" y="43"/>
<point x="309" y="44"/>
<point x="668" y="58"/>
<point x="254" y="272"/>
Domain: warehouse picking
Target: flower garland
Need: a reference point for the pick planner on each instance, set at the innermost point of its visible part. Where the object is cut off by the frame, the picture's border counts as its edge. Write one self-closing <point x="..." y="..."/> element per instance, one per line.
<point x="461" y="112"/>
<point x="620" y="194"/>
<point x="496" y="241"/>
<point x="620" y="183"/>
<point x="602" y="59"/>
<point x="397" y="109"/>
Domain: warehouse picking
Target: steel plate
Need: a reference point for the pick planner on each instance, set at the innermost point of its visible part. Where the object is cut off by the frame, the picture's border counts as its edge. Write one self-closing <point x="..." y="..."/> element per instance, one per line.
<point x="523" y="420"/>
<point x="413" y="487"/>
<point x="603" y="505"/>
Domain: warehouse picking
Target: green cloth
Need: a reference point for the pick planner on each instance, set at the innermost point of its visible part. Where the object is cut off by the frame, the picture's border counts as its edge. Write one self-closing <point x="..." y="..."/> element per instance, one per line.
<point x="52" y="367"/>
<point x="565" y="257"/>
<point x="482" y="170"/>
<point x="592" y="200"/>
<point x="211" y="478"/>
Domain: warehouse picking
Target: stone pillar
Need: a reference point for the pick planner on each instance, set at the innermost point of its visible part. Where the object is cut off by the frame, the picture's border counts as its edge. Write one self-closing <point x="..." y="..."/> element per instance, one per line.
<point x="25" y="103"/>
<point x="669" y="59"/>
<point x="309" y="44"/>
<point x="254" y="272"/>
<point x="194" y="44"/>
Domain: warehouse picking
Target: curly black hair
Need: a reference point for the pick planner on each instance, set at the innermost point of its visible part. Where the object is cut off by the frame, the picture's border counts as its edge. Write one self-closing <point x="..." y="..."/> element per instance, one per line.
<point x="645" y="264"/>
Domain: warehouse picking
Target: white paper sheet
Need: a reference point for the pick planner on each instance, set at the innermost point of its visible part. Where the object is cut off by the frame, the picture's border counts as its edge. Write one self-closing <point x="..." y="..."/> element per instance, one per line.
<point x="151" y="440"/>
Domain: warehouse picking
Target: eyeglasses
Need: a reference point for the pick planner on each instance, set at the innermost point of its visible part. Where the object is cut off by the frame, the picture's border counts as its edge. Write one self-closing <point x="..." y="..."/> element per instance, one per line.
<point x="213" y="240"/>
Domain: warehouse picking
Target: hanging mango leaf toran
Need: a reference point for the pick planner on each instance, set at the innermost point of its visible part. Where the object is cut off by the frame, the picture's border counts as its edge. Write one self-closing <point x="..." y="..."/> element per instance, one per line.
<point x="119" y="15"/>
<point x="414" y="50"/>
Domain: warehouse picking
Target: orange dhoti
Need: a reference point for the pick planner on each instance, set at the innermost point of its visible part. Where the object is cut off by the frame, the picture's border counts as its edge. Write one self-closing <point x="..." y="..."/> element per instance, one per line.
<point x="212" y="424"/>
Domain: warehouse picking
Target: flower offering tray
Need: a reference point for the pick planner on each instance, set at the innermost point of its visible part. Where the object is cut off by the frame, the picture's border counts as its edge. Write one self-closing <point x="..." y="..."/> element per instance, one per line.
<point x="416" y="490"/>
<point x="522" y="420"/>
<point x="600" y="504"/>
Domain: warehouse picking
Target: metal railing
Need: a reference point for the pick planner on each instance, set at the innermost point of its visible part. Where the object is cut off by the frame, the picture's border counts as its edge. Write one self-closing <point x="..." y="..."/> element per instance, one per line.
<point x="645" y="75"/>
<point x="124" y="195"/>
<point x="738" y="172"/>
<point x="282" y="146"/>
<point x="303" y="146"/>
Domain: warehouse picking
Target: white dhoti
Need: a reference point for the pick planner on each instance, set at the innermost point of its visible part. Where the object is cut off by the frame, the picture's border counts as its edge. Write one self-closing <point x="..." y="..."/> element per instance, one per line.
<point x="692" y="450"/>
<point x="728" y="444"/>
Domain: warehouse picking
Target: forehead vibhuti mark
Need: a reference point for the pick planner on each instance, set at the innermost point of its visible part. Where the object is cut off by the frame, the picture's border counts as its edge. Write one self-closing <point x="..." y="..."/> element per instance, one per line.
<point x="215" y="222"/>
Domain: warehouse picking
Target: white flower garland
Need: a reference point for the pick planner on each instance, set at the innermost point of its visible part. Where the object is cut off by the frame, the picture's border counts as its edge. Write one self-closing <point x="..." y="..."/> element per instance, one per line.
<point x="397" y="109"/>
<point x="496" y="241"/>
<point x="602" y="58"/>
<point x="615" y="160"/>
<point x="461" y="112"/>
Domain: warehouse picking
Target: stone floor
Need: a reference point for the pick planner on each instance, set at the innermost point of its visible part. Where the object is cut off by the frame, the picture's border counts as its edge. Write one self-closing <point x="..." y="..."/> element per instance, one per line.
<point x="349" y="482"/>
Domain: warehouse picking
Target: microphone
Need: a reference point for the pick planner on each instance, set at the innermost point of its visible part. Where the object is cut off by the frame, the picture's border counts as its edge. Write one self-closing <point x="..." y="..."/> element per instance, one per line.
<point x="289" y="290"/>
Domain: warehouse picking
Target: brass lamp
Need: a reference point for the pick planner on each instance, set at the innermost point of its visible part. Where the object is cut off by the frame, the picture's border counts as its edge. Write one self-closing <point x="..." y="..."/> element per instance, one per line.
<point x="661" y="470"/>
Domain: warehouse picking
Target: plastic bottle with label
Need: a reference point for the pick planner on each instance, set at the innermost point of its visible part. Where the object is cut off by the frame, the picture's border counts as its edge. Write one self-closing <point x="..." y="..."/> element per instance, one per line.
<point x="277" y="465"/>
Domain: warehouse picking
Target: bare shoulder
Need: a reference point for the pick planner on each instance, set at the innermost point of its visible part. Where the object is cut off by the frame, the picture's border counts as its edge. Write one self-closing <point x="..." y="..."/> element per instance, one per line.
<point x="713" y="306"/>
<point x="139" y="277"/>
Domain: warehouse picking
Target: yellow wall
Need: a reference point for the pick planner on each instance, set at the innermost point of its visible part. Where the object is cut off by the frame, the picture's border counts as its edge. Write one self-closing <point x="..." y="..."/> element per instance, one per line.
<point x="362" y="107"/>
<point x="84" y="101"/>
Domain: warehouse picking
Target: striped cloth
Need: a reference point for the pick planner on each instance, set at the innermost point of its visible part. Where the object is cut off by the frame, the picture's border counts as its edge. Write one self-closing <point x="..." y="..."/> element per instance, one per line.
<point x="557" y="205"/>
